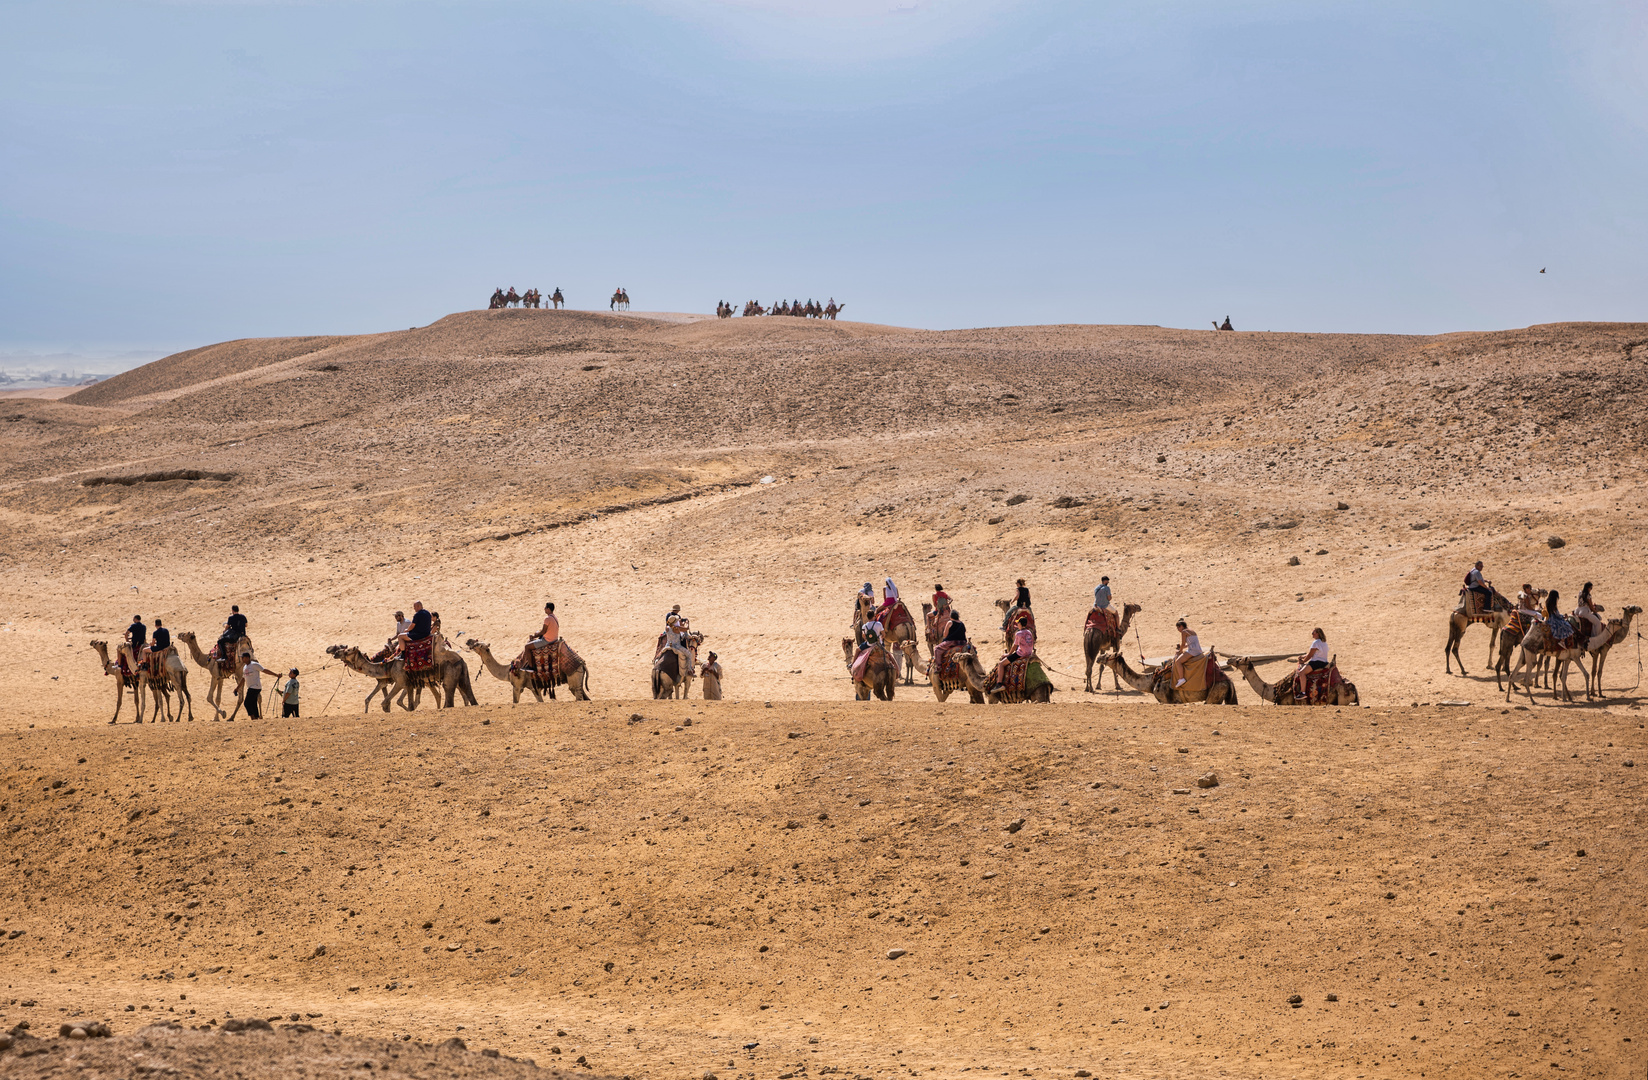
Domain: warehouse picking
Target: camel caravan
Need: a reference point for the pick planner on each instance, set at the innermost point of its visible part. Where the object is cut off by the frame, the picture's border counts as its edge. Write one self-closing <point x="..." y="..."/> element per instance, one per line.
<point x="812" y="309"/>
<point x="1546" y="643"/>
<point x="532" y="298"/>
<point x="1531" y="643"/>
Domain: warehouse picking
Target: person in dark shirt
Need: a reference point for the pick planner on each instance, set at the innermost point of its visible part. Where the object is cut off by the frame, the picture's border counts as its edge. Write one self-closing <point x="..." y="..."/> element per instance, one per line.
<point x="137" y="635"/>
<point x="421" y="621"/>
<point x="162" y="638"/>
<point x="958" y="629"/>
<point x="1023" y="598"/>
<point x="233" y="630"/>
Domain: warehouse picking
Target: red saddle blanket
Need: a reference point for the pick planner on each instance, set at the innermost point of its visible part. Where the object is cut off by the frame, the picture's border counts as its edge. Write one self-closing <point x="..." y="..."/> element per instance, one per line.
<point x="549" y="661"/>
<point x="419" y="655"/>
<point x="1315" y="687"/>
<point x="1021" y="619"/>
<point x="1103" y="618"/>
<point x="899" y="616"/>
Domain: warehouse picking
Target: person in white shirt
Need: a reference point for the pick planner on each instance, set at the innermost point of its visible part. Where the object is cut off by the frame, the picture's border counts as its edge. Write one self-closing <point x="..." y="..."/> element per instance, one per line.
<point x="1190" y="647"/>
<point x="1317" y="657"/>
<point x="253" y="671"/>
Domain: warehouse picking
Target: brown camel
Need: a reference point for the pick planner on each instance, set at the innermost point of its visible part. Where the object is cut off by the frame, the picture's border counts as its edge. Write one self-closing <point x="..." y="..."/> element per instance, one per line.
<point x="1618" y="631"/>
<point x="667" y="678"/>
<point x="894" y="636"/>
<point x="1459" y="622"/>
<point x="1283" y="692"/>
<point x="1009" y="611"/>
<point x="1097" y="641"/>
<point x="1158" y="682"/>
<point x="880" y="670"/>
<point x="127" y="677"/>
<point x="968" y="674"/>
<point x="522" y="679"/>
<point x="1536" y="645"/>
<point x="449" y="675"/>
<point x="170" y="675"/>
<point x="385" y="682"/>
<point x="221" y="670"/>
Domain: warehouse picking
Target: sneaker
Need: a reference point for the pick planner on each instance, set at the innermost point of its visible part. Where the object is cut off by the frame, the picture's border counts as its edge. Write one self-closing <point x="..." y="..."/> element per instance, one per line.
<point x="1178" y="684"/>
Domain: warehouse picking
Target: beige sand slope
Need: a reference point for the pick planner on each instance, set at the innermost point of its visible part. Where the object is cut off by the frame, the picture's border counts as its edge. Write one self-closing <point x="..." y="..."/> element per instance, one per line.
<point x="615" y="464"/>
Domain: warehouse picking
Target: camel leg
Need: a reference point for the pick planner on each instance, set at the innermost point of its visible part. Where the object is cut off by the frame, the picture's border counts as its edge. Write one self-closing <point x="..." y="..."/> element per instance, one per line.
<point x="1493" y="638"/>
<point x="119" y="699"/>
<point x="1450" y="651"/>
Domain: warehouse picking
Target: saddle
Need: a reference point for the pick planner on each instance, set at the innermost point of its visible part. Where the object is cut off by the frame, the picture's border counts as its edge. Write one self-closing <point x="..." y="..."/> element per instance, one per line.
<point x="946" y="661"/>
<point x="1105" y="619"/>
<point x="1021" y="618"/>
<point x="899" y="616"/>
<point x="1199" y="674"/>
<point x="1470" y="605"/>
<point x="1313" y="687"/>
<point x="938" y="624"/>
<point x="1014" y="678"/>
<point x="419" y="655"/>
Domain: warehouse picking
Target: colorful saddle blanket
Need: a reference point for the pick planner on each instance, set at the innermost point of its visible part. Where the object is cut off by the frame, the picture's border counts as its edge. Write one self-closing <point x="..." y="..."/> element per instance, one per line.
<point x="898" y="616"/>
<point x="1105" y="619"/>
<point x="1471" y="606"/>
<point x="938" y="624"/>
<point x="419" y="655"/>
<point x="1021" y="618"/>
<point x="1199" y="674"/>
<point x="1316" y="687"/>
<point x="946" y="661"/>
<point x="1014" y="678"/>
<point x="549" y="661"/>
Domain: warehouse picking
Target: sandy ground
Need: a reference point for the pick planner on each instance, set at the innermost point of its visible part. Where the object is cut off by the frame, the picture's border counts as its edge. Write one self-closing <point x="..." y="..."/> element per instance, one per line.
<point x="620" y="464"/>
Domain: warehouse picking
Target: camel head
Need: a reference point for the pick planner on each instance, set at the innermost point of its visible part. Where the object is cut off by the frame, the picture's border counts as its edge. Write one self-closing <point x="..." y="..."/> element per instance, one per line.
<point x="1241" y="663"/>
<point x="1131" y="609"/>
<point x="339" y="652"/>
<point x="477" y="645"/>
<point x="1005" y="605"/>
<point x="1631" y="611"/>
<point x="186" y="635"/>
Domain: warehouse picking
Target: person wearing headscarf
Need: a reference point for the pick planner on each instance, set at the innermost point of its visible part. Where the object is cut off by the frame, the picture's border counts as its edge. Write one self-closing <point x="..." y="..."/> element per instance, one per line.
<point x="889" y="597"/>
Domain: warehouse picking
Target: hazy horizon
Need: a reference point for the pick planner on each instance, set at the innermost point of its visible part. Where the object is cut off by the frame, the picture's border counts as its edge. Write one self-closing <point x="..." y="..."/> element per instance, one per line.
<point x="184" y="173"/>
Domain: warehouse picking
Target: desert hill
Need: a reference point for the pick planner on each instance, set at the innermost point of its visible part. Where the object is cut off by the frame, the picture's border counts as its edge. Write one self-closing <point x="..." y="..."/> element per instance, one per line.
<point x="757" y="472"/>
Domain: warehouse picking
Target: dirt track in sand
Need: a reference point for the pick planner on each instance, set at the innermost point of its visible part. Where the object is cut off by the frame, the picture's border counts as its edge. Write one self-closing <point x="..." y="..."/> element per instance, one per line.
<point x="493" y="460"/>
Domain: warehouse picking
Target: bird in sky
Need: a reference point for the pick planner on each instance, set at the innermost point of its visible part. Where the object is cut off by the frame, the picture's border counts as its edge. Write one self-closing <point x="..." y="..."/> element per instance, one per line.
<point x="1541" y="269"/>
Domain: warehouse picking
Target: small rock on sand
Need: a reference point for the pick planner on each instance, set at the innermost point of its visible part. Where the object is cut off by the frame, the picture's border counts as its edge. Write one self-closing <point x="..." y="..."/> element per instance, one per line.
<point x="1293" y="560"/>
<point x="1207" y="780"/>
<point x="1015" y="826"/>
<point x="1555" y="542"/>
<point x="894" y="954"/>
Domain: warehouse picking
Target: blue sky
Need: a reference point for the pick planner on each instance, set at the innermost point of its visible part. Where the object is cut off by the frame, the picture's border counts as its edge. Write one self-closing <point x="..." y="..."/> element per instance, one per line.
<point x="180" y="173"/>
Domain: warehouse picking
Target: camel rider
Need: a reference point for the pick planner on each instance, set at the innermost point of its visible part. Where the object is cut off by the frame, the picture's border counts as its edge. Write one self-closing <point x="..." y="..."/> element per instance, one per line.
<point x="422" y="624"/>
<point x="675" y="640"/>
<point x="1315" y="658"/>
<point x="137" y="635"/>
<point x="1190" y="647"/>
<point x="941" y="599"/>
<point x="1560" y="629"/>
<point x="1527" y="604"/>
<point x="1483" y="589"/>
<point x="1588" y="611"/>
<point x="234" y="628"/>
<point x="1101" y="595"/>
<point x="864" y="610"/>
<point x="1021" y="599"/>
<point x="551" y="630"/>
<point x="889" y="598"/>
<point x="957" y="633"/>
<point x="160" y="640"/>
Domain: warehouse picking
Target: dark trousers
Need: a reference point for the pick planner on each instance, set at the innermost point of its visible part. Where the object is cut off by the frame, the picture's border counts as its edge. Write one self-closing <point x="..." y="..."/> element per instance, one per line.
<point x="254" y="702"/>
<point x="288" y="708"/>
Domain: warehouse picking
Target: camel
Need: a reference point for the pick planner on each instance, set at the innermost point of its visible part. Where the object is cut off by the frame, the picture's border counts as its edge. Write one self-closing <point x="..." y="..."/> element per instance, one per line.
<point x="520" y="679"/>
<point x="1538" y="644"/>
<point x="1158" y="682"/>
<point x="450" y="674"/>
<point x="1096" y="641"/>
<point x="128" y="677"/>
<point x="171" y="675"/>
<point x="880" y="671"/>
<point x="998" y="695"/>
<point x="220" y="670"/>
<point x="556" y="298"/>
<point x="968" y="675"/>
<point x="1282" y="692"/>
<point x="895" y="635"/>
<point x="1618" y="631"/>
<point x="667" y="678"/>
<point x="1458" y="622"/>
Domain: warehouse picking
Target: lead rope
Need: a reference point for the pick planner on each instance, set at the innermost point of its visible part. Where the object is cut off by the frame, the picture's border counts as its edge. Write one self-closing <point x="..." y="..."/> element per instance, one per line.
<point x="344" y="670"/>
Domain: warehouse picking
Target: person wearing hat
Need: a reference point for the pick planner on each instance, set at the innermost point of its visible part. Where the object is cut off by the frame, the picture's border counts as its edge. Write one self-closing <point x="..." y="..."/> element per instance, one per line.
<point x="1190" y="647"/>
<point x="289" y="695"/>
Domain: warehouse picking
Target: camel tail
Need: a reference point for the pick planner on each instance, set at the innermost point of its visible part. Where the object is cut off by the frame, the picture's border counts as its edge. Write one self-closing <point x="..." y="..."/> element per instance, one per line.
<point x="466" y="689"/>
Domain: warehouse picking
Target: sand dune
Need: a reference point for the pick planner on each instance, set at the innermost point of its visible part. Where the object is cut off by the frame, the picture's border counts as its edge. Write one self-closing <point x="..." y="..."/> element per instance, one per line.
<point x="757" y="472"/>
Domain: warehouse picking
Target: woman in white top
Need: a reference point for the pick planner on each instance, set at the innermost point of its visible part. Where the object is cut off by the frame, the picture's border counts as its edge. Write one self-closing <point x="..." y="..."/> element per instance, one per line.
<point x="1190" y="647"/>
<point x="1318" y="657"/>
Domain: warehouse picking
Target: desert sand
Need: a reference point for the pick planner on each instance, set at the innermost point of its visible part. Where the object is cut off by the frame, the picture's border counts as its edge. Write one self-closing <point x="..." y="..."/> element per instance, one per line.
<point x="652" y="886"/>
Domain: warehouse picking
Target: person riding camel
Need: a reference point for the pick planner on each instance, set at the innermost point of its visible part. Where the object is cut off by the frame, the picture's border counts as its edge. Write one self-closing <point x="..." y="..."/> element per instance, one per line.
<point x="1561" y="629"/>
<point x="676" y="630"/>
<point x="889" y="599"/>
<point x="137" y="636"/>
<point x="1589" y="612"/>
<point x="1021" y="601"/>
<point x="869" y="639"/>
<point x="1190" y="647"/>
<point x="864" y="609"/>
<point x="1527" y="603"/>
<point x="941" y="599"/>
<point x="160" y="642"/>
<point x="234" y="628"/>
<point x="1483" y="589"/>
<point x="421" y="627"/>
<point x="393" y="645"/>
<point x="1315" y="658"/>
<point x="550" y="631"/>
